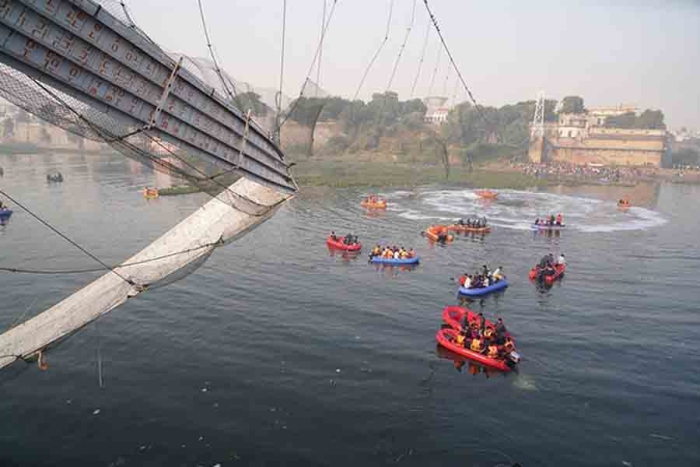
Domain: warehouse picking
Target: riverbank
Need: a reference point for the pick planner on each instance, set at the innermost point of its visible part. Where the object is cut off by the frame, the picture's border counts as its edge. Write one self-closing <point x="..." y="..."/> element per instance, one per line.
<point x="348" y="174"/>
<point x="370" y="174"/>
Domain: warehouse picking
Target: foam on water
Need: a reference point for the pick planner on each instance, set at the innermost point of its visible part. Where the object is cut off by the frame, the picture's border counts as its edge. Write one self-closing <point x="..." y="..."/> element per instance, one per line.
<point x="517" y="210"/>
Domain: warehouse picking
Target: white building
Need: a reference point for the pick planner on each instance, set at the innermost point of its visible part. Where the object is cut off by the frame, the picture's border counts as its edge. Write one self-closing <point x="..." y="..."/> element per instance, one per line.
<point x="437" y="109"/>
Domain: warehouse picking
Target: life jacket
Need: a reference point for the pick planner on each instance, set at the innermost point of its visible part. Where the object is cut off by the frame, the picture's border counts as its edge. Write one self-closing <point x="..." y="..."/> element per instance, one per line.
<point x="475" y="345"/>
<point x="488" y="333"/>
<point x="493" y="351"/>
<point x="460" y="340"/>
<point x="508" y="346"/>
<point x="462" y="280"/>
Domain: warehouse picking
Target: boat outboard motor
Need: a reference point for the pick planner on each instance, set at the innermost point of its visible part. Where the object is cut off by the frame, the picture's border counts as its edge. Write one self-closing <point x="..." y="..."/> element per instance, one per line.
<point x="514" y="356"/>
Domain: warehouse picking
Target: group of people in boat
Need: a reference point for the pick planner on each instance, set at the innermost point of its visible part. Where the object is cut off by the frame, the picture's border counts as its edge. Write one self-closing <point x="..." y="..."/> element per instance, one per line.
<point x="477" y="223"/>
<point x="547" y="264"/>
<point x="494" y="341"/>
<point x="392" y="252"/>
<point x="349" y="239"/>
<point x="482" y="278"/>
<point x="374" y="199"/>
<point x="551" y="220"/>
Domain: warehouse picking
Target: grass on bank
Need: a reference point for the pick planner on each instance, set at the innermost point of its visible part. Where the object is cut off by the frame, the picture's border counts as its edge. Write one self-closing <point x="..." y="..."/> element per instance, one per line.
<point x="370" y="174"/>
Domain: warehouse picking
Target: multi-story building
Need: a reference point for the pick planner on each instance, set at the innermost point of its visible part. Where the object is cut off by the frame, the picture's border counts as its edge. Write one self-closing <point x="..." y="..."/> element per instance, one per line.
<point x="583" y="139"/>
<point x="436" y="109"/>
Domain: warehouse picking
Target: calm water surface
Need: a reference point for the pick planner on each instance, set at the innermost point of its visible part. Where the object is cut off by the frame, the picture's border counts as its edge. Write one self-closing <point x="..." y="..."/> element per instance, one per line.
<point x="277" y="352"/>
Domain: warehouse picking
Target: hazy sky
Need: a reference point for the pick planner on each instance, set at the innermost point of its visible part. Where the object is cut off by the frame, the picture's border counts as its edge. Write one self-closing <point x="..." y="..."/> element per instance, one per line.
<point x="640" y="52"/>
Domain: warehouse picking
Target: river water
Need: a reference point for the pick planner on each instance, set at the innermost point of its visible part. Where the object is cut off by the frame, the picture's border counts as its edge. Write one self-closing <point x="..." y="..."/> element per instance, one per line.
<point x="277" y="352"/>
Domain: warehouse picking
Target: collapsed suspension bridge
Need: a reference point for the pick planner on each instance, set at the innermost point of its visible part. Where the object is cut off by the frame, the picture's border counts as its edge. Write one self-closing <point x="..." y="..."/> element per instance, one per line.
<point x="85" y="67"/>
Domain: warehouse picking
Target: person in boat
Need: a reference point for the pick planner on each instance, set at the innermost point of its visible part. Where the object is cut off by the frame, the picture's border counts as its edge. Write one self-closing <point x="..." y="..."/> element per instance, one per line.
<point x="482" y="323"/>
<point x="411" y="253"/>
<point x="486" y="282"/>
<point x="376" y="251"/>
<point x="509" y="345"/>
<point x="489" y="334"/>
<point x="560" y="219"/>
<point x="484" y="222"/>
<point x="552" y="219"/>
<point x="550" y="259"/>
<point x="334" y="237"/>
<point x="498" y="274"/>
<point x="549" y="270"/>
<point x="2" y="206"/>
<point x="460" y="222"/>
<point x="461" y="338"/>
<point x="477" y="345"/>
<point x="500" y="328"/>
<point x="485" y="270"/>
<point x="467" y="281"/>
<point x="537" y="221"/>
<point x="561" y="260"/>
<point x="493" y="351"/>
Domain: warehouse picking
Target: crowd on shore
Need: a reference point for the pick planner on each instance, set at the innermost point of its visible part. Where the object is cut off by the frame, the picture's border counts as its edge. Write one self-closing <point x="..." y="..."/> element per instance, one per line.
<point x="583" y="172"/>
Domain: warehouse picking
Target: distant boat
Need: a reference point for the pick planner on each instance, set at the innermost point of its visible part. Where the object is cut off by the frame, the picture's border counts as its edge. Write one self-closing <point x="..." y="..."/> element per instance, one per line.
<point x="54" y="177"/>
<point x="486" y="194"/>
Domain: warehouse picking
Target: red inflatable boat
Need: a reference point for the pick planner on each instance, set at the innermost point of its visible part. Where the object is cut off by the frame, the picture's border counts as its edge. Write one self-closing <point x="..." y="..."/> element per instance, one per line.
<point x="453" y="317"/>
<point x="340" y="245"/>
<point x="448" y="339"/>
<point x="559" y="270"/>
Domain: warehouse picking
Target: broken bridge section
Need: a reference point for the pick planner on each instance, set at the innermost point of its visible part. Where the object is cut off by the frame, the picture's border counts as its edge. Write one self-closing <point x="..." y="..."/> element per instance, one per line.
<point x="76" y="64"/>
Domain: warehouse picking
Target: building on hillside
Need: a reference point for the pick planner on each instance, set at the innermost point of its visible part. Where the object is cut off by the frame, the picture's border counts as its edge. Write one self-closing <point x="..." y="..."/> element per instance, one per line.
<point x="583" y="139"/>
<point x="436" y="109"/>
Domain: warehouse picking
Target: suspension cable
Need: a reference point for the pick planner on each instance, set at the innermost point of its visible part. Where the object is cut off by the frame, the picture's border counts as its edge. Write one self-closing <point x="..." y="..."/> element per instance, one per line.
<point x="118" y="266"/>
<point x="403" y="45"/>
<point x="290" y="112"/>
<point x="422" y="58"/>
<point x="279" y="94"/>
<point x="65" y="237"/>
<point x="454" y="65"/>
<point x="212" y="55"/>
<point x="320" y="55"/>
<point x="435" y="70"/>
<point x="376" y="54"/>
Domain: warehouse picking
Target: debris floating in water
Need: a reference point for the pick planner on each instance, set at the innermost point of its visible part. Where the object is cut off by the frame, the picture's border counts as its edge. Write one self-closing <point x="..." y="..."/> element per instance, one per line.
<point x="96" y="412"/>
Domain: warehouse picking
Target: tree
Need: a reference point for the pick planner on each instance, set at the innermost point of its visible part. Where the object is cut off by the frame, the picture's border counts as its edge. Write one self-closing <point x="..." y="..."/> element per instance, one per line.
<point x="572" y="105"/>
<point x="626" y="121"/>
<point x="251" y="101"/>
<point x="651" y="120"/>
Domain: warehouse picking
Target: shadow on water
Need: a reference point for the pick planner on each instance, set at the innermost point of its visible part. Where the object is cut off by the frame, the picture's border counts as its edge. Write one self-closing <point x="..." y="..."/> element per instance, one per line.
<point x="473" y="368"/>
<point x="346" y="256"/>
<point x="481" y="301"/>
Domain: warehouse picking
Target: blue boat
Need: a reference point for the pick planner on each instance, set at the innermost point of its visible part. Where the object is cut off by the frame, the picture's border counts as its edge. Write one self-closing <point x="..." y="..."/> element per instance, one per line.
<point x="481" y="291"/>
<point x="395" y="262"/>
<point x="5" y="213"/>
